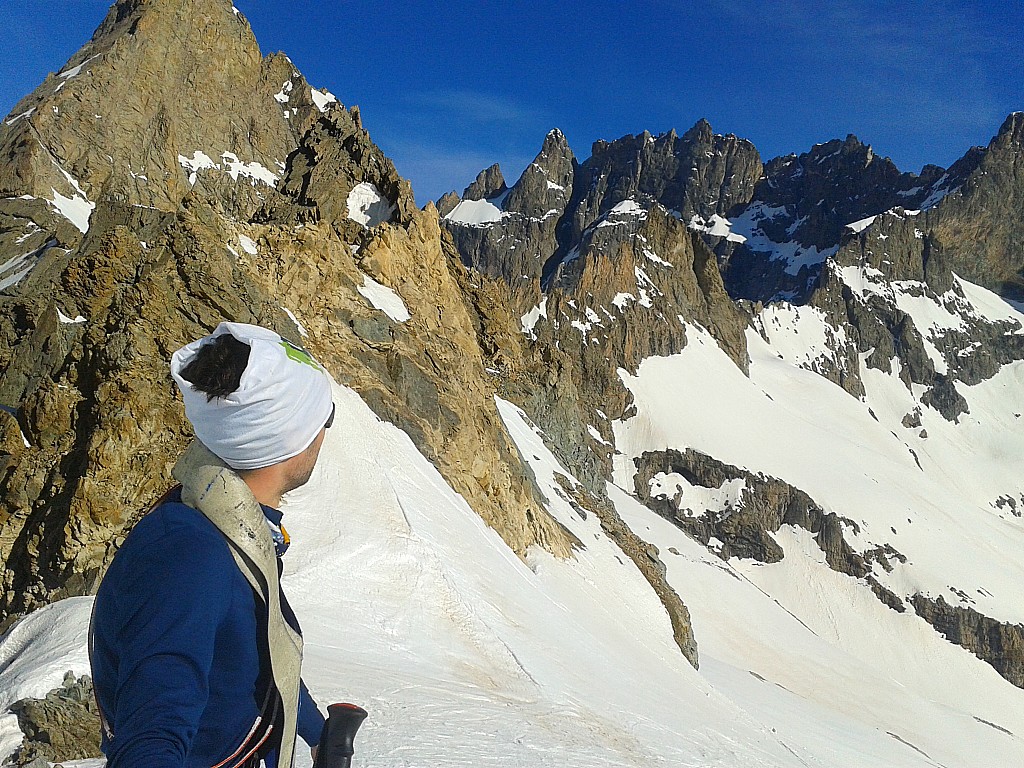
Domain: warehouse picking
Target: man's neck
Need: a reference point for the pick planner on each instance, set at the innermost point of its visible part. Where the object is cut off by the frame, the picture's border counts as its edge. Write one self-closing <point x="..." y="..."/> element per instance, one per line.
<point x="264" y="484"/>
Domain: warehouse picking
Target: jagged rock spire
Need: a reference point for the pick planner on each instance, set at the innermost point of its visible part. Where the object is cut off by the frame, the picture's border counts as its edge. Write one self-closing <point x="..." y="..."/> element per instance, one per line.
<point x="546" y="184"/>
<point x="489" y="183"/>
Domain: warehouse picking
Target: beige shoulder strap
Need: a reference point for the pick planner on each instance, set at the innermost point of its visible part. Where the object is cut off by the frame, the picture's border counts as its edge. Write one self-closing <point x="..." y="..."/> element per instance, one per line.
<point x="222" y="496"/>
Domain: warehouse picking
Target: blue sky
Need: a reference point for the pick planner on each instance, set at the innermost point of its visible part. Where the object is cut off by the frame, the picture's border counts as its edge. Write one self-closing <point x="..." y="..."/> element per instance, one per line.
<point x="447" y="89"/>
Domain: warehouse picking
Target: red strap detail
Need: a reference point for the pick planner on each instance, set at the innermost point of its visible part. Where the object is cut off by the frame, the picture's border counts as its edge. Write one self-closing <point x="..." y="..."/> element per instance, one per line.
<point x="245" y="743"/>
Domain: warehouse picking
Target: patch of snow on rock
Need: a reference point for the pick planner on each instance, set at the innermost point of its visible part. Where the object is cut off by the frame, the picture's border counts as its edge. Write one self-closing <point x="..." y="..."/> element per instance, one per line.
<point x="75" y="71"/>
<point x="622" y="299"/>
<point x="991" y="306"/>
<point x="716" y="226"/>
<point x="862" y="224"/>
<point x="322" y="98"/>
<point x="696" y="501"/>
<point x="17" y="268"/>
<point x="384" y="299"/>
<point x="67" y="320"/>
<point x="253" y="171"/>
<point x="248" y="244"/>
<point x="630" y="207"/>
<point x="530" y="319"/>
<point x="34" y="655"/>
<point x="199" y="161"/>
<point x="294" y="319"/>
<point x="282" y="95"/>
<point x="13" y="120"/>
<point x="940" y="189"/>
<point x="596" y="435"/>
<point x="652" y="256"/>
<point x="15" y="277"/>
<point x="474" y="213"/>
<point x="75" y="209"/>
<point x="368" y="206"/>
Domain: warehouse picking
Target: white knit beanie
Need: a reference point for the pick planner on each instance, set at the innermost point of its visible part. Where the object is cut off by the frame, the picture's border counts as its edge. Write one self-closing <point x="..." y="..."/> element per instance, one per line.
<point x="280" y="406"/>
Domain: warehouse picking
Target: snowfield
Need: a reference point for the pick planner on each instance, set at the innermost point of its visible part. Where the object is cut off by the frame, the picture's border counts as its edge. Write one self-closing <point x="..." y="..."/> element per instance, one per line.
<point x="466" y="655"/>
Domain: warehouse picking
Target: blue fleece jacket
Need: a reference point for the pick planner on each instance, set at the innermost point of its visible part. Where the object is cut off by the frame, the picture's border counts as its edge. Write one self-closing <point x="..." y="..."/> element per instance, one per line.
<point x="175" y="661"/>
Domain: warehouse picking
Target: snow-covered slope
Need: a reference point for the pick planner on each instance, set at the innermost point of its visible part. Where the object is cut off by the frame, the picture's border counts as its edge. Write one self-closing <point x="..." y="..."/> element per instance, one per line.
<point x="466" y="655"/>
<point x="930" y="493"/>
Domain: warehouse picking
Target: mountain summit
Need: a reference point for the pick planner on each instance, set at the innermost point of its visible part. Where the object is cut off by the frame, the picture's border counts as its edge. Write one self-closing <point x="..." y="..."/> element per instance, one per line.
<point x="162" y="92"/>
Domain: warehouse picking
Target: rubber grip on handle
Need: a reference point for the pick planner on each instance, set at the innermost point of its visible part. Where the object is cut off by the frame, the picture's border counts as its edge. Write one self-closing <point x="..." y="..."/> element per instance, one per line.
<point x="336" y="741"/>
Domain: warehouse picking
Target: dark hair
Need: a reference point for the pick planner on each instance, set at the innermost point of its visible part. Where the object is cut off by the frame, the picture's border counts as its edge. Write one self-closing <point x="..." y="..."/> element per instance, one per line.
<point x="218" y="366"/>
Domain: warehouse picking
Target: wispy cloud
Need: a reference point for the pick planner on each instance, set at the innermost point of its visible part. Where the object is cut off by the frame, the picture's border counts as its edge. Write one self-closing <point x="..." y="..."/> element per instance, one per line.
<point x="912" y="37"/>
<point x="474" y="106"/>
<point x="924" y="70"/>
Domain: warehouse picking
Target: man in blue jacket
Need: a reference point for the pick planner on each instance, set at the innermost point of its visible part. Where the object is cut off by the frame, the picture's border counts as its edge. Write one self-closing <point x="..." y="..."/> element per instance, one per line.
<point x="195" y="651"/>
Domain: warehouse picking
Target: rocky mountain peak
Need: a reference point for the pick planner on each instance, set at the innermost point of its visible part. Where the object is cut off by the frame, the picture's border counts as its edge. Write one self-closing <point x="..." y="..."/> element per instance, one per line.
<point x="699" y="174"/>
<point x="546" y="185"/>
<point x="489" y="183"/>
<point x="1012" y="130"/>
<point x="555" y="141"/>
<point x="132" y="16"/>
<point x="511" y="236"/>
<point x="700" y="132"/>
<point x="166" y="97"/>
<point x="841" y="155"/>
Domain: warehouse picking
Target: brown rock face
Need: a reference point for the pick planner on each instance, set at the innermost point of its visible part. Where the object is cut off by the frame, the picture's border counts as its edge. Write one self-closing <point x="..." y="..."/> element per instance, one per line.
<point x="88" y="330"/>
<point x="157" y="81"/>
<point x="65" y="725"/>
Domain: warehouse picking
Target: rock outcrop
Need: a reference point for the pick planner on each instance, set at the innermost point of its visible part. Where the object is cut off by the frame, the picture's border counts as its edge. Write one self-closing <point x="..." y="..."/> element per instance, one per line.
<point x="490" y="183"/>
<point x="742" y="511"/>
<point x="734" y="513"/>
<point x="999" y="643"/>
<point x="64" y="725"/>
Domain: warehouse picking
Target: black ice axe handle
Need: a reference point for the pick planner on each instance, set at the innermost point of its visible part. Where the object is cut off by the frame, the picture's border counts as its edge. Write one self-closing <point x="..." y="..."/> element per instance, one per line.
<point x="335" y="748"/>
